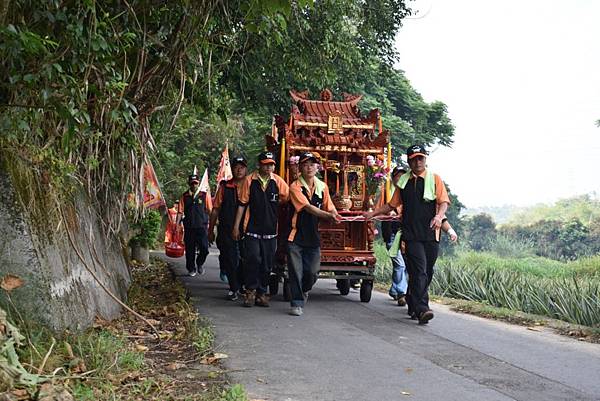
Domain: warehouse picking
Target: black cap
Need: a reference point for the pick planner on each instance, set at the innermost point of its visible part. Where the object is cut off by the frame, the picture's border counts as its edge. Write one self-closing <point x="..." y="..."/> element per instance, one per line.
<point x="266" y="158"/>
<point x="308" y="156"/>
<point x="240" y="160"/>
<point x="416" y="150"/>
<point x="193" y="177"/>
<point x="397" y="170"/>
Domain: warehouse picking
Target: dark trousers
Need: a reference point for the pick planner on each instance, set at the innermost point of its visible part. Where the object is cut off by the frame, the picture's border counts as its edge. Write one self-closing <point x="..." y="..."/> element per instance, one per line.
<point x="229" y="258"/>
<point x="196" y="239"/>
<point x="259" y="255"/>
<point x="420" y="257"/>
<point x="303" y="266"/>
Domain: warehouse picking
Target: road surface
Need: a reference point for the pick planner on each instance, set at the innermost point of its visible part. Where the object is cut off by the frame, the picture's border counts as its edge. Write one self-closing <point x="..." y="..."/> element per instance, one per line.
<point x="342" y="349"/>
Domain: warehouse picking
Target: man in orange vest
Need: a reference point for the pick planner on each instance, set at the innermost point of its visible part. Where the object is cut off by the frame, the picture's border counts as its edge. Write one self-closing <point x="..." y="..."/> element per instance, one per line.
<point x="424" y="202"/>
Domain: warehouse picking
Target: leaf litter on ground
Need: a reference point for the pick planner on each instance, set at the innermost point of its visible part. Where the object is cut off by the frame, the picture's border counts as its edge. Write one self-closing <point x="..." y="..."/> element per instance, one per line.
<point x="179" y="365"/>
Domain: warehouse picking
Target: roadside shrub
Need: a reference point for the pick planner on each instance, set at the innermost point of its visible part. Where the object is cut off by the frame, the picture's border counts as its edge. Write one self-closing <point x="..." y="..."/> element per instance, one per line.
<point x="146" y="229"/>
<point x="505" y="247"/>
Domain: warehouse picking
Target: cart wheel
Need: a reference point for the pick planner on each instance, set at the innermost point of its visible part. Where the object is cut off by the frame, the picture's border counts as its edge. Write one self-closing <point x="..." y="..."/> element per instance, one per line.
<point x="366" y="288"/>
<point x="287" y="293"/>
<point x="344" y="286"/>
<point x="273" y="284"/>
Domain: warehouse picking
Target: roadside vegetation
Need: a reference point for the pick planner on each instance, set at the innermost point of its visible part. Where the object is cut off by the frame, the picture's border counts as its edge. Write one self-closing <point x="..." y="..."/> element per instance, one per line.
<point x="126" y="359"/>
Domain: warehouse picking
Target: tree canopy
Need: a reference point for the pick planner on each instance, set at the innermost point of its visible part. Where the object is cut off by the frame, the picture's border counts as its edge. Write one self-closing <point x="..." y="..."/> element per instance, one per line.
<point x="94" y="88"/>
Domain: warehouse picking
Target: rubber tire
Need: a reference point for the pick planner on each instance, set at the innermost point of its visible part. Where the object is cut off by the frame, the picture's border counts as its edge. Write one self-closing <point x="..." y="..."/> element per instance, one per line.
<point x="287" y="293"/>
<point x="366" y="288"/>
<point x="273" y="284"/>
<point x="344" y="286"/>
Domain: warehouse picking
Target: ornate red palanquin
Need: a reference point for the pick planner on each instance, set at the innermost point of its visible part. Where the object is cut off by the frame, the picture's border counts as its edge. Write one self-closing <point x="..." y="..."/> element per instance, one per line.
<point x="343" y="138"/>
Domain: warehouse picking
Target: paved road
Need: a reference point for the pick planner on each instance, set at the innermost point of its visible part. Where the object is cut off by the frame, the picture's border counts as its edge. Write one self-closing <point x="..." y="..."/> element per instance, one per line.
<point x="342" y="349"/>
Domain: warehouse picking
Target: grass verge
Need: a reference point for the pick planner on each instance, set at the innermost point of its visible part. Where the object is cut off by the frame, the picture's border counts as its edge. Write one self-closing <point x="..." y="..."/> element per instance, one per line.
<point x="124" y="360"/>
<point x="533" y="322"/>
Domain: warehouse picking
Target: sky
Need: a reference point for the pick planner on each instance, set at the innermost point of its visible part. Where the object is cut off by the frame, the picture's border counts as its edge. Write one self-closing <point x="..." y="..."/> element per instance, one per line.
<point x="521" y="80"/>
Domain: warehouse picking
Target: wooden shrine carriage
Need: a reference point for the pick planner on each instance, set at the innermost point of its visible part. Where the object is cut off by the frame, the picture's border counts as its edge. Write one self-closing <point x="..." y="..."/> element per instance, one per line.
<point x="348" y="144"/>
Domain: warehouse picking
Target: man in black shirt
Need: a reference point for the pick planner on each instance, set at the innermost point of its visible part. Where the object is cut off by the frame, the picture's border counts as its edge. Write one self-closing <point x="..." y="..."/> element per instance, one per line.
<point x="424" y="201"/>
<point x="259" y="197"/>
<point x="193" y="213"/>
<point x="224" y="209"/>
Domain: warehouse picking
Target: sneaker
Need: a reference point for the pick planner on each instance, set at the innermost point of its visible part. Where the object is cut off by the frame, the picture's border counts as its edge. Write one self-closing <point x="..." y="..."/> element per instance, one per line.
<point x="296" y="311"/>
<point x="425" y="317"/>
<point x="393" y="296"/>
<point x="249" y="298"/>
<point x="201" y="270"/>
<point x="232" y="296"/>
<point x="223" y="277"/>
<point x="401" y="300"/>
<point x="193" y="273"/>
<point x="262" y="300"/>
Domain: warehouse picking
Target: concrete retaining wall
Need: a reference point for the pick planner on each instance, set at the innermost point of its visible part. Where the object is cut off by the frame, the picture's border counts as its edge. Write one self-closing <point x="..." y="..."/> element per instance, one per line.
<point x="59" y="291"/>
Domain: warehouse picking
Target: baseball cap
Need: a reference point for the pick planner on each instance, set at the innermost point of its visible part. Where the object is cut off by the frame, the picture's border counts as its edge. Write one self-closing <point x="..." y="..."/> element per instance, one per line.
<point x="240" y="160"/>
<point x="308" y="156"/>
<point x="416" y="150"/>
<point x="194" y="178"/>
<point x="397" y="170"/>
<point x="266" y="158"/>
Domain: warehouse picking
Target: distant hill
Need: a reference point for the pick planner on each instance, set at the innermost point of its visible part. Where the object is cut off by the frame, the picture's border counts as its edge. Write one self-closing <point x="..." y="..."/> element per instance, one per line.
<point x="500" y="214"/>
<point x="585" y="208"/>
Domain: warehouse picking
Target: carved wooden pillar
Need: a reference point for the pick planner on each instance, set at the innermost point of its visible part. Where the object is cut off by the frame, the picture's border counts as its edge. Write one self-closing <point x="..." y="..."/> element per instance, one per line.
<point x="345" y="174"/>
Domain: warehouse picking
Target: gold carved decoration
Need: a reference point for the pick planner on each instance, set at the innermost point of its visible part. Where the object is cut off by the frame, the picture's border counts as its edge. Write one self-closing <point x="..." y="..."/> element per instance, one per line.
<point x="356" y="176"/>
<point x="334" y="124"/>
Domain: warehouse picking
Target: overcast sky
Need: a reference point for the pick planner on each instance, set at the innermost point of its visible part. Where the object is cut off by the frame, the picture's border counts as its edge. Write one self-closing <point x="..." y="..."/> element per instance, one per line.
<point x="521" y="80"/>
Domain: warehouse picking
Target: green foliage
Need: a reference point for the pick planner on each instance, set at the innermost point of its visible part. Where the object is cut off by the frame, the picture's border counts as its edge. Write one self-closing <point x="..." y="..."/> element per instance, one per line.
<point x="453" y="216"/>
<point x="83" y="80"/>
<point x="328" y="45"/>
<point x="383" y="268"/>
<point x="532" y="265"/>
<point x="572" y="298"/>
<point x="555" y="239"/>
<point x="146" y="229"/>
<point x="585" y="208"/>
<point x="481" y="231"/>
<point x="234" y="393"/>
<point x="199" y="140"/>
<point x="203" y="336"/>
<point x="506" y="246"/>
<point x="339" y="44"/>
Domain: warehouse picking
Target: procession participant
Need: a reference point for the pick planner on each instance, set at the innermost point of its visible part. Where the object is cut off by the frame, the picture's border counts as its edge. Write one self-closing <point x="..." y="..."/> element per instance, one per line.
<point x="447" y="228"/>
<point x="424" y="202"/>
<point x="259" y="197"/>
<point x="389" y="232"/>
<point x="311" y="201"/>
<point x="193" y="212"/>
<point x="224" y="209"/>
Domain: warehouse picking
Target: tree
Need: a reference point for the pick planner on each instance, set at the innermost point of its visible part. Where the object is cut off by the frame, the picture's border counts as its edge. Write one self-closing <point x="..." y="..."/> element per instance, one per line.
<point x="84" y="79"/>
<point x="337" y="44"/>
<point x="481" y="230"/>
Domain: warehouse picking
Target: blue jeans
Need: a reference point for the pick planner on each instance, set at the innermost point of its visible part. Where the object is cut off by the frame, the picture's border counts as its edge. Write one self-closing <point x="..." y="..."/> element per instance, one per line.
<point x="303" y="266"/>
<point x="399" y="276"/>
